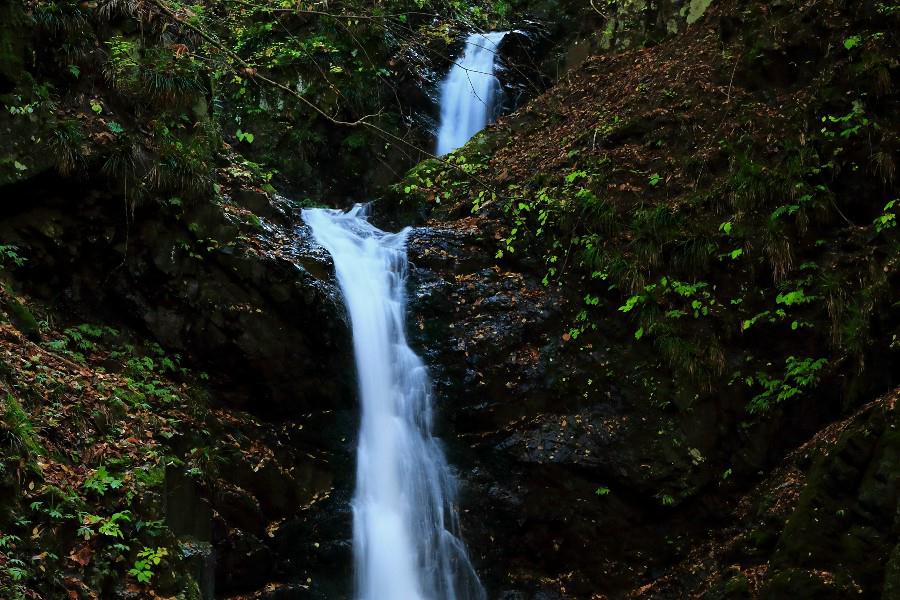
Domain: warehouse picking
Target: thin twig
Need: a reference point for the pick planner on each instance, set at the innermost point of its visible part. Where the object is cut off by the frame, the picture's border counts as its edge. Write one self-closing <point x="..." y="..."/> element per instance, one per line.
<point x="730" y="83"/>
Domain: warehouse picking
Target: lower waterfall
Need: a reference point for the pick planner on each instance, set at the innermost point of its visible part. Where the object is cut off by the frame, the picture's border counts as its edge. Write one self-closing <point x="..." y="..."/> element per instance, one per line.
<point x="405" y="526"/>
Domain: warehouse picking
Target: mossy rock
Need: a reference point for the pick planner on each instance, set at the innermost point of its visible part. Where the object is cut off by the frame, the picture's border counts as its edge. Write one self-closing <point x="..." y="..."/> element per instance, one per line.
<point x="841" y="524"/>
<point x="695" y="10"/>
<point x="736" y="587"/>
<point x="20" y="316"/>
<point x="12" y="45"/>
<point x="802" y="584"/>
<point x="892" y="575"/>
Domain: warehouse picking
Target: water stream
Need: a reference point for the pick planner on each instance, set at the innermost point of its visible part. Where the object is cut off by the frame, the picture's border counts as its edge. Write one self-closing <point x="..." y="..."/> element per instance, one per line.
<point x="405" y="526"/>
<point x="469" y="92"/>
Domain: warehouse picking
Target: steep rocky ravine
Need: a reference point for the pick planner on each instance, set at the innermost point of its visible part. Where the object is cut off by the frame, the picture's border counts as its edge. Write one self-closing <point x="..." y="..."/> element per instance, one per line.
<point x="179" y="405"/>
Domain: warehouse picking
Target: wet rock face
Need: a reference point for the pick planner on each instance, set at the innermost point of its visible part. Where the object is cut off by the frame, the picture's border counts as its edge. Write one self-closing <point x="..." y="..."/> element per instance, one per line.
<point x="244" y="301"/>
<point x="570" y="490"/>
<point x="537" y="453"/>
<point x="520" y="70"/>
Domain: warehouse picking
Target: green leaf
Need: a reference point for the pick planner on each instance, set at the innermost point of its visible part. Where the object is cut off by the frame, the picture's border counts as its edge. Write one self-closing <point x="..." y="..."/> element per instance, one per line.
<point x="575" y="176"/>
<point x="630" y="303"/>
<point x="794" y="297"/>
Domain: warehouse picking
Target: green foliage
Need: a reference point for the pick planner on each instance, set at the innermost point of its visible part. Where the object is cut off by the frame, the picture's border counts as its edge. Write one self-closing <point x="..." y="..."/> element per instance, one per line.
<point x="632" y="302"/>
<point x="107" y="526"/>
<point x="81" y="339"/>
<point x="144" y="375"/>
<point x="886" y="220"/>
<point x="794" y="297"/>
<point x="19" y="430"/>
<point x="800" y="374"/>
<point x="185" y="158"/>
<point x="112" y="527"/>
<point x="101" y="481"/>
<point x="156" y="73"/>
<point x="66" y="142"/>
<point x="145" y="369"/>
<point x="679" y="297"/>
<point x="10" y="254"/>
<point x="852" y="41"/>
<point x="16" y="569"/>
<point x="787" y="210"/>
<point x="848" y="125"/>
<point x="575" y="176"/>
<point x="244" y="136"/>
<point x="148" y="558"/>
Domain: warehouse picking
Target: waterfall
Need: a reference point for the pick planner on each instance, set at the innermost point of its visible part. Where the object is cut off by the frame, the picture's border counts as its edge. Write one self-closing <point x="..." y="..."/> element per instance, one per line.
<point x="468" y="92"/>
<point x="405" y="527"/>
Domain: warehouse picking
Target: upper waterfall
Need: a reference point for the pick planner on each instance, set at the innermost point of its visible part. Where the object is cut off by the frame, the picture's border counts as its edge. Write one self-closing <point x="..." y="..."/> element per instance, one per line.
<point x="469" y="91"/>
<point x="405" y="527"/>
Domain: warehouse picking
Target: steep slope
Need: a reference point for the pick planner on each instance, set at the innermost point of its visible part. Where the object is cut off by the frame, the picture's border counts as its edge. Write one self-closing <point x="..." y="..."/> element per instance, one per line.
<point x="681" y="263"/>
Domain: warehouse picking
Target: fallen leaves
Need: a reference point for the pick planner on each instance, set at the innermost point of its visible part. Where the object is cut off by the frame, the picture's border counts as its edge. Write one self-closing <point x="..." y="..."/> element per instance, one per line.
<point x="82" y="555"/>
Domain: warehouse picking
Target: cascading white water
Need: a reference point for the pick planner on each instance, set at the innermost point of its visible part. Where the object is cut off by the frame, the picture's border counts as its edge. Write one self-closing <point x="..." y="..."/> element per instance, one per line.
<point x="405" y="527"/>
<point x="468" y="92"/>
